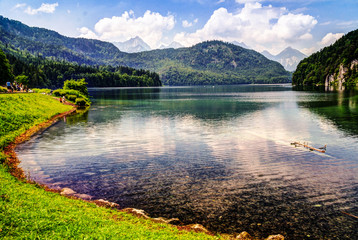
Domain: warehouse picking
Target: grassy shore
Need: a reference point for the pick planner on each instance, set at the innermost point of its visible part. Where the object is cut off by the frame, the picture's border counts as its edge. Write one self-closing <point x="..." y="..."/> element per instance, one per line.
<point x="27" y="211"/>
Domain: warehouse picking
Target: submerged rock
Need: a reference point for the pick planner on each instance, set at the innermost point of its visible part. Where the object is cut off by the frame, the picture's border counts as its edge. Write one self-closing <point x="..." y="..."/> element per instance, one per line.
<point x="244" y="236"/>
<point x="275" y="237"/>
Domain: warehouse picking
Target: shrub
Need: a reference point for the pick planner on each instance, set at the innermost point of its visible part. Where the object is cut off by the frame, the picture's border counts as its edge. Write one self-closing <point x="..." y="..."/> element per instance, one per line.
<point x="3" y="89"/>
<point x="42" y="90"/>
<point x="71" y="98"/>
<point x="79" y="85"/>
<point x="80" y="102"/>
<point x="74" y="94"/>
<point x="2" y="158"/>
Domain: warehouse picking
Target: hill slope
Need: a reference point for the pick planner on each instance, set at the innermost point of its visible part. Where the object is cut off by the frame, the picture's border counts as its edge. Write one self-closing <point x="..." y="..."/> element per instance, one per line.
<point x="51" y="44"/>
<point x="336" y="65"/>
<point x="211" y="62"/>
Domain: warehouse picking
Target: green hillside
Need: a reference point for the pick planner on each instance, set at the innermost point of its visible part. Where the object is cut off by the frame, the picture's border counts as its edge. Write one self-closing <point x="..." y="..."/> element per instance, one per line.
<point x="51" y="44"/>
<point x="341" y="57"/>
<point x="211" y="62"/>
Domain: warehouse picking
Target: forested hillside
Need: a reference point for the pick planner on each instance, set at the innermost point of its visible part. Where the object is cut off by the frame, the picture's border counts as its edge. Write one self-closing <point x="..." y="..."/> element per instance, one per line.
<point x="211" y="62"/>
<point x="51" y="44"/>
<point x="42" y="72"/>
<point x="338" y="62"/>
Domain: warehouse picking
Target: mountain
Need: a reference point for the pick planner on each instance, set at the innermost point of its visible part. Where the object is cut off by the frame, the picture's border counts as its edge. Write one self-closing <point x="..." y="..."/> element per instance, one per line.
<point x="268" y="55"/>
<point x="132" y="45"/>
<point x="174" y="45"/>
<point x="241" y="44"/>
<point x="51" y="44"/>
<point x="333" y="66"/>
<point x="289" y="58"/>
<point x="212" y="62"/>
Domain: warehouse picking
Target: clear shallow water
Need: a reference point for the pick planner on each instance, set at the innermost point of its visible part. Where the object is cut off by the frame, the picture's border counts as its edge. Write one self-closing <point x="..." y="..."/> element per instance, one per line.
<point x="219" y="156"/>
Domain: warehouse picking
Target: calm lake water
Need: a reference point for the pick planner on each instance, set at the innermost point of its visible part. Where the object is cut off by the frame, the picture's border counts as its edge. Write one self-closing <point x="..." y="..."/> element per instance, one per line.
<point x="220" y="156"/>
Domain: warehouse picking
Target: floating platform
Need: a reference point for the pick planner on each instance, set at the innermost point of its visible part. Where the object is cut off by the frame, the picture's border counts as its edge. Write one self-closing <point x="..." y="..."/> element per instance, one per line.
<point x="298" y="144"/>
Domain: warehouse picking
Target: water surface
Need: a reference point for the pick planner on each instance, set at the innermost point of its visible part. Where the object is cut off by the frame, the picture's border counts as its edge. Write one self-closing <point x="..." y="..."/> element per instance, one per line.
<point x="219" y="156"/>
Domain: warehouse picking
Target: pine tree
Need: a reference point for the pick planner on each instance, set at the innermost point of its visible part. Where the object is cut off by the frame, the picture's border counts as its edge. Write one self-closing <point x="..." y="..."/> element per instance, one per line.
<point x="5" y="69"/>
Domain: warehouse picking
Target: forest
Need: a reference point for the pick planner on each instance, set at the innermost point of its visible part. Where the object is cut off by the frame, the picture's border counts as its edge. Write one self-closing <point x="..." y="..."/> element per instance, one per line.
<point x="41" y="72"/>
<point x="313" y="70"/>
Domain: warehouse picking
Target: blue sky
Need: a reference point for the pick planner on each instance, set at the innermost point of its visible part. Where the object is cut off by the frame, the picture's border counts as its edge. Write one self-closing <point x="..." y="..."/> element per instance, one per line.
<point x="306" y="25"/>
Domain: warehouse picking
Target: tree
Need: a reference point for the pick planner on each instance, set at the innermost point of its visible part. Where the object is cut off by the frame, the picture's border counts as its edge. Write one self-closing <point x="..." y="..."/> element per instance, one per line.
<point x="5" y="69"/>
<point x="79" y="85"/>
<point x="23" y="79"/>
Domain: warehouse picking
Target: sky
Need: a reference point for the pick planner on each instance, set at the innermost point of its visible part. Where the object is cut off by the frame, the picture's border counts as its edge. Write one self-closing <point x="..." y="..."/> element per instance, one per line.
<point x="306" y="25"/>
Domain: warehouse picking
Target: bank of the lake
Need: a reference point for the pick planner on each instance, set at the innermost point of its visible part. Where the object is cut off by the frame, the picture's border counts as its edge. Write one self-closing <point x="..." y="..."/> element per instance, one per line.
<point x="27" y="211"/>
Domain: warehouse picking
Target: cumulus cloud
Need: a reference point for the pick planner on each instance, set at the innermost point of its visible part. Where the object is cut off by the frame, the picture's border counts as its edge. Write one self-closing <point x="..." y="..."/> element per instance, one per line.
<point x="327" y="40"/>
<point x="20" y="5"/>
<point x="45" y="8"/>
<point x="260" y="26"/>
<point x="330" y="38"/>
<point x="188" y="24"/>
<point x="247" y="1"/>
<point x="87" y="33"/>
<point x="150" y="27"/>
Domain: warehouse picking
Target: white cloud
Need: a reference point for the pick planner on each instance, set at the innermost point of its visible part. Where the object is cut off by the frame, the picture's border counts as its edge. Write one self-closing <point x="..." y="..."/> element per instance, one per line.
<point x="188" y="24"/>
<point x="327" y="40"/>
<point x="247" y="1"/>
<point x="87" y="33"/>
<point x="262" y="27"/>
<point x="20" y="5"/>
<point x="330" y="38"/>
<point x="45" y="8"/>
<point x="150" y="27"/>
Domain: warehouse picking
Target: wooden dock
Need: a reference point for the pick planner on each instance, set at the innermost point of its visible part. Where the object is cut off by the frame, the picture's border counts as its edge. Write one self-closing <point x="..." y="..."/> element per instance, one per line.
<point x="298" y="144"/>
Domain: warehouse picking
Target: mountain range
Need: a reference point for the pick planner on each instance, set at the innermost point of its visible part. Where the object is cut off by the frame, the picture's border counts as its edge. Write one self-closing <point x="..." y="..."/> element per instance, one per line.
<point x="212" y="62"/>
<point x="289" y="58"/>
<point x="132" y="45"/>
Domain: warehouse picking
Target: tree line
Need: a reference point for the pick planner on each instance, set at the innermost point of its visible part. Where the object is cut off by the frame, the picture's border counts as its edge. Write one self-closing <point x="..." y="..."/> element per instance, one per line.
<point x="51" y="73"/>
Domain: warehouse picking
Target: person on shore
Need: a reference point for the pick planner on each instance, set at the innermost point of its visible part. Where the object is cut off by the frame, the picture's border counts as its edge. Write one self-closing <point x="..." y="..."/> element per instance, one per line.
<point x="63" y="99"/>
<point x="9" y="87"/>
<point x="60" y="99"/>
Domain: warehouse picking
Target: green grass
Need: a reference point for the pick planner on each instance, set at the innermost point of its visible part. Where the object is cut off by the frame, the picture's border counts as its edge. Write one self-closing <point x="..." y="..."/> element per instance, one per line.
<point x="19" y="112"/>
<point x="29" y="212"/>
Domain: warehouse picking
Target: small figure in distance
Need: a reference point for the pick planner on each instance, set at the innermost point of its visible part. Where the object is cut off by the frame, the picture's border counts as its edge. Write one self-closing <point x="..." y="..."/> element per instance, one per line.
<point x="9" y="87"/>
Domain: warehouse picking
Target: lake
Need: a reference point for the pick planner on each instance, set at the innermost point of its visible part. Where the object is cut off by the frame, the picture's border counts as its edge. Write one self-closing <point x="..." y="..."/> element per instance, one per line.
<point x="219" y="156"/>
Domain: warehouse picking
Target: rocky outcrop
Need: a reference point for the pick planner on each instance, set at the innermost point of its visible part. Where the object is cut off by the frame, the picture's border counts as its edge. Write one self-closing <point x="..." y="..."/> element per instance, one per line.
<point x="142" y="214"/>
<point x="244" y="236"/>
<point x="247" y="236"/>
<point x="105" y="203"/>
<point x="70" y="193"/>
<point x="337" y="80"/>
